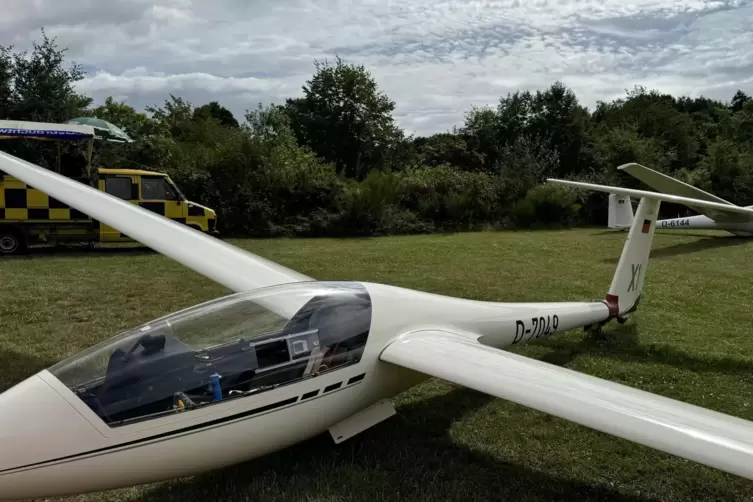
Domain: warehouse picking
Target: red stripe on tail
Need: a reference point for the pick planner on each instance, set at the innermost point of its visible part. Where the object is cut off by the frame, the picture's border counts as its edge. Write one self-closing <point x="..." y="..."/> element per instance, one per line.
<point x="613" y="304"/>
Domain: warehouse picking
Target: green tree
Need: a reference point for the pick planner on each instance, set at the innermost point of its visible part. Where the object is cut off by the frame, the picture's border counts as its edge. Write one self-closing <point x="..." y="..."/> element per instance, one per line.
<point x="727" y="171"/>
<point x="738" y="100"/>
<point x="449" y="148"/>
<point x="613" y="147"/>
<point x="7" y="70"/>
<point x="152" y="147"/>
<point x="136" y="124"/>
<point x="177" y="116"/>
<point x="741" y="125"/>
<point x="552" y="119"/>
<point x="560" y="120"/>
<point x="657" y="116"/>
<point x="39" y="87"/>
<point x="482" y="134"/>
<point x="216" y="111"/>
<point x="345" y="119"/>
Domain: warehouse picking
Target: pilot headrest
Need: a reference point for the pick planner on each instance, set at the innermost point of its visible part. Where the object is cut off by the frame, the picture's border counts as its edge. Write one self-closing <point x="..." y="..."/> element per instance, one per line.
<point x="152" y="343"/>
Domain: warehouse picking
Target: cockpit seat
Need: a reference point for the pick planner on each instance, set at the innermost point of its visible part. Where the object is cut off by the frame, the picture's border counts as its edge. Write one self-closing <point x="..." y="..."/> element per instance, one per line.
<point x="155" y="368"/>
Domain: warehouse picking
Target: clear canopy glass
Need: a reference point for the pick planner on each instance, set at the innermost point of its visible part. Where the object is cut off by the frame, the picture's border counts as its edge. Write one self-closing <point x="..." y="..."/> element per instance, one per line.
<point x="226" y="348"/>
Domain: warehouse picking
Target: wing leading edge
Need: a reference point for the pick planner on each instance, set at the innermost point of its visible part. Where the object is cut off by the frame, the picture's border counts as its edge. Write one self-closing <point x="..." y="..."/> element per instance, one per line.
<point x="228" y="265"/>
<point x="699" y="434"/>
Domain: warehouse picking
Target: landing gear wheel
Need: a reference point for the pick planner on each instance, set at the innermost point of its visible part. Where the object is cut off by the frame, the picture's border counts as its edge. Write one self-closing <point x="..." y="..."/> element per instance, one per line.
<point x="595" y="331"/>
<point x="623" y="320"/>
<point x="593" y="328"/>
<point x="11" y="243"/>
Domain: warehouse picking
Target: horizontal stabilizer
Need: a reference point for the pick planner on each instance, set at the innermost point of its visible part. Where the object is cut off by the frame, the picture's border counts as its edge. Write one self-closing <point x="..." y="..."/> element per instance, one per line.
<point x="630" y="192"/>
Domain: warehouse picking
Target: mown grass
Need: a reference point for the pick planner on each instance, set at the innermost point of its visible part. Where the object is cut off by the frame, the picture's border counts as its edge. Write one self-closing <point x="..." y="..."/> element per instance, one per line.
<point x="692" y="339"/>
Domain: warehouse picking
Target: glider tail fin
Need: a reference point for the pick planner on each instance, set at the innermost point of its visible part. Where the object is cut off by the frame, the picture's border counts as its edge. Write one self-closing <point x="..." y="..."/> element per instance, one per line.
<point x="620" y="212"/>
<point x="627" y="283"/>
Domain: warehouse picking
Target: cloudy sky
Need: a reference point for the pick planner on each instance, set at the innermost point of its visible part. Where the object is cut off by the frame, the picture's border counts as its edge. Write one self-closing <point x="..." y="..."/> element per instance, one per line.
<point x="435" y="58"/>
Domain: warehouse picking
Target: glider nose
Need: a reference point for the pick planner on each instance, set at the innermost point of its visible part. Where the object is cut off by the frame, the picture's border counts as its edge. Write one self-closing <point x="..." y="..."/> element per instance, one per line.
<point x="38" y="428"/>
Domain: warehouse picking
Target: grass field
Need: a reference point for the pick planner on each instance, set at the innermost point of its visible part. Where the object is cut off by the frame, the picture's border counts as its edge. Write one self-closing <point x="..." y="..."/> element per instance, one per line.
<point x="692" y="339"/>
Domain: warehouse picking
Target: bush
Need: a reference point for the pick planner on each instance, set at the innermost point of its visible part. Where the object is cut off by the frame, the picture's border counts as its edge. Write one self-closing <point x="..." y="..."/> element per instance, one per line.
<point x="451" y="199"/>
<point x="260" y="185"/>
<point x="365" y="205"/>
<point x="546" y="205"/>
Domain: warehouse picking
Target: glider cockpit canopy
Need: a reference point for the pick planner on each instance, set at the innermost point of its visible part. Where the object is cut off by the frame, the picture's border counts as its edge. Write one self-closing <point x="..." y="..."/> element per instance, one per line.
<point x="230" y="347"/>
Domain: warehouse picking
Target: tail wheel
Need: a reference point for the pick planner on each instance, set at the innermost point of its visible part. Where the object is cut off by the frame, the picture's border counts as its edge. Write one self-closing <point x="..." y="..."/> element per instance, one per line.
<point x="11" y="243"/>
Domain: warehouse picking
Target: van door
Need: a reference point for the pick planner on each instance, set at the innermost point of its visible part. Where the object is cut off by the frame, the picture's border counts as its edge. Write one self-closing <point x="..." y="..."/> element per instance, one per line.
<point x="161" y="197"/>
<point x="122" y="187"/>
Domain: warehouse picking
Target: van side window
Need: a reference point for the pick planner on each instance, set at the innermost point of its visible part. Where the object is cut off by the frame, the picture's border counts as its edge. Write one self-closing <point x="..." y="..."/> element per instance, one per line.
<point x="119" y="187"/>
<point x="156" y="188"/>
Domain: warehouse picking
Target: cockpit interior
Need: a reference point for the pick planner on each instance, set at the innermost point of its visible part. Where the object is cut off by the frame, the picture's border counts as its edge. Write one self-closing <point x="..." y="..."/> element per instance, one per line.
<point x="163" y="367"/>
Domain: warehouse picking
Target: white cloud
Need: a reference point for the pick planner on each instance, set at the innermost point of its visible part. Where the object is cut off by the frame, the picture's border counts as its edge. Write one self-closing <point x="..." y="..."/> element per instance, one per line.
<point x="435" y="58"/>
<point x="138" y="81"/>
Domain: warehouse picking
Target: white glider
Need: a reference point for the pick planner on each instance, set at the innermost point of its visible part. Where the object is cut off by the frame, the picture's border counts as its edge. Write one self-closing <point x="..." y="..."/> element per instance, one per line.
<point x="286" y="358"/>
<point x="716" y="218"/>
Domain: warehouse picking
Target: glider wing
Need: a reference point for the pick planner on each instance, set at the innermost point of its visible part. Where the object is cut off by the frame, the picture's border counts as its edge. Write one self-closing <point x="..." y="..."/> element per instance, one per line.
<point x="234" y="268"/>
<point x="699" y="434"/>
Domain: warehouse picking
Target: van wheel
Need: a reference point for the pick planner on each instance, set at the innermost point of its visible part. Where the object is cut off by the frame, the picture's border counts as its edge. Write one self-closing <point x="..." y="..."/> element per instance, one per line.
<point x="11" y="243"/>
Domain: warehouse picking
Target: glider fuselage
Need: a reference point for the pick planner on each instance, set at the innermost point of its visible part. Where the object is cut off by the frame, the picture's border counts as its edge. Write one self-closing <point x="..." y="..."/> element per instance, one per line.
<point x="701" y="222"/>
<point x="88" y="454"/>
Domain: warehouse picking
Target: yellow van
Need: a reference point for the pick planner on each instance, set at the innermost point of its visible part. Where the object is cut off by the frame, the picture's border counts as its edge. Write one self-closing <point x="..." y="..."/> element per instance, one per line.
<point x="29" y="216"/>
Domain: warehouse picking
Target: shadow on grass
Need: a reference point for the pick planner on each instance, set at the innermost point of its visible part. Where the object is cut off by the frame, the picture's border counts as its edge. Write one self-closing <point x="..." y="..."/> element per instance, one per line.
<point x="622" y="343"/>
<point x="609" y="231"/>
<point x="17" y="366"/>
<point x="409" y="457"/>
<point x="688" y="233"/>
<point x="660" y="231"/>
<point x="691" y="247"/>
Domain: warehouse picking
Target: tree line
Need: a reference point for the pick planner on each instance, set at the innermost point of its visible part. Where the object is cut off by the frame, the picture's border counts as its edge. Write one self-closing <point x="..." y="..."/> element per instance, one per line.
<point x="334" y="162"/>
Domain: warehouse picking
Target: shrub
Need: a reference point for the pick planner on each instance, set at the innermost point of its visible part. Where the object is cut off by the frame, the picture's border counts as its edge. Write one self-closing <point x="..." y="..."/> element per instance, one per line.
<point x="546" y="205"/>
<point x="449" y="198"/>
